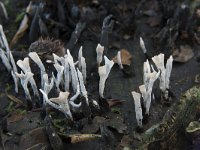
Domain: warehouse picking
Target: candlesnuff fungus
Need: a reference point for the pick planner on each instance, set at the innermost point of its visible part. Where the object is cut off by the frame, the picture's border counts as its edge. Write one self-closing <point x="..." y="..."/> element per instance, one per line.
<point x="60" y="69"/>
<point x="61" y="102"/>
<point x="74" y="76"/>
<point x="119" y="60"/>
<point x="47" y="86"/>
<point x="34" y="56"/>
<point x="8" y="58"/>
<point x="103" y="73"/>
<point x="82" y="64"/>
<point x="82" y="86"/>
<point x="4" y="41"/>
<point x="142" y="45"/>
<point x="99" y="51"/>
<point x="73" y="98"/>
<point x="5" y="60"/>
<point x="146" y="89"/>
<point x="24" y="65"/>
<point x="138" y="108"/>
<point x="24" y="78"/>
<point x="66" y="73"/>
<point x="165" y="72"/>
<point x="14" y="69"/>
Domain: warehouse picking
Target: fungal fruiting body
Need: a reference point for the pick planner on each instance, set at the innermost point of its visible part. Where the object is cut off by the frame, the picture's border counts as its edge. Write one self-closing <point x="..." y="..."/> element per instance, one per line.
<point x="165" y="71"/>
<point x="24" y="78"/>
<point x="103" y="73"/>
<point x="24" y="65"/>
<point x="61" y="102"/>
<point x="34" y="56"/>
<point x="138" y="108"/>
<point x="142" y="45"/>
<point x="82" y="64"/>
<point x="99" y="51"/>
<point x="82" y="86"/>
<point x="119" y="60"/>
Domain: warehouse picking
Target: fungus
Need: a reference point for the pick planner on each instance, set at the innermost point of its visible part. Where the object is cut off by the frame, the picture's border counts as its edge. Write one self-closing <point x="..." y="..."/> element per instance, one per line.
<point x="5" y="60"/>
<point x="138" y="108"/>
<point x="61" y="102"/>
<point x="4" y="41"/>
<point x="59" y="77"/>
<point x="24" y="65"/>
<point x="25" y="78"/>
<point x="34" y="56"/>
<point x="74" y="76"/>
<point x="66" y="73"/>
<point x="82" y="64"/>
<point x="99" y="51"/>
<point x="47" y="85"/>
<point x="103" y="73"/>
<point x="146" y="89"/>
<point x="142" y="45"/>
<point x="82" y="86"/>
<point x="119" y="61"/>
<point x="165" y="72"/>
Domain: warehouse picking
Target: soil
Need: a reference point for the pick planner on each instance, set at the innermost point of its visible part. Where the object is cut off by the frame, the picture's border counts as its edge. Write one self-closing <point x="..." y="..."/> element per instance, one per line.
<point x="24" y="128"/>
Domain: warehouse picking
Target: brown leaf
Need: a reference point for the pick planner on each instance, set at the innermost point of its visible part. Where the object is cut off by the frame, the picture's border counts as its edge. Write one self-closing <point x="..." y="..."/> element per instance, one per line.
<point x="75" y="138"/>
<point x="114" y="102"/>
<point x="14" y="99"/>
<point x="22" y="28"/>
<point x="183" y="54"/>
<point x="126" y="57"/>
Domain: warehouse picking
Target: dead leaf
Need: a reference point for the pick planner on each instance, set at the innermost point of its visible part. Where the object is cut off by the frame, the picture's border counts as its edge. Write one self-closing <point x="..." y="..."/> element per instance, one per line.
<point x="76" y="138"/>
<point x="184" y="54"/>
<point x="22" y="28"/>
<point x="114" y="102"/>
<point x="14" y="99"/>
<point x="14" y="118"/>
<point x="126" y="57"/>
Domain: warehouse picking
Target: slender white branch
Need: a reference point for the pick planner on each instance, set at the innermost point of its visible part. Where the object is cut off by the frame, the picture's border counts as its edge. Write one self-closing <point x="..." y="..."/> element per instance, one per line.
<point x="138" y="108"/>
<point x="99" y="51"/>
<point x="103" y="73"/>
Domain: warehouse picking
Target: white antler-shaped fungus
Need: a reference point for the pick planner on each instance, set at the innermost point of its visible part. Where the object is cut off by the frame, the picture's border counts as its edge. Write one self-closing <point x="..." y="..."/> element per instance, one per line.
<point x="103" y="73"/>
<point x="165" y="72"/>
<point x="82" y="86"/>
<point x="59" y="77"/>
<point x="119" y="60"/>
<point x="5" y="60"/>
<point x="61" y="102"/>
<point x="74" y="76"/>
<point x="142" y="45"/>
<point x="99" y="51"/>
<point x="82" y="64"/>
<point x="24" y="78"/>
<point x="24" y="65"/>
<point x="34" y="56"/>
<point x="138" y="108"/>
